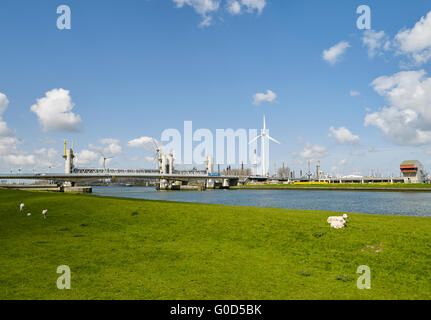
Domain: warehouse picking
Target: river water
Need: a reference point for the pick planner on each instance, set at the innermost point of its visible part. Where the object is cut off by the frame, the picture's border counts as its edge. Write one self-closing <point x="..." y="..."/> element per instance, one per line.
<point x="392" y="203"/>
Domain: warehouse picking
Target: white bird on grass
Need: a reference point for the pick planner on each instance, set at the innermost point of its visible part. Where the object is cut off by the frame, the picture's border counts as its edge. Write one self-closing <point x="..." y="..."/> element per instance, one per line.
<point x="21" y="207"/>
<point x="44" y="212"/>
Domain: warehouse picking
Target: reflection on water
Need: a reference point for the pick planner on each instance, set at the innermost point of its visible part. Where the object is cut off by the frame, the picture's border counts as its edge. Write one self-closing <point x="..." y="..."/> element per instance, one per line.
<point x="395" y="203"/>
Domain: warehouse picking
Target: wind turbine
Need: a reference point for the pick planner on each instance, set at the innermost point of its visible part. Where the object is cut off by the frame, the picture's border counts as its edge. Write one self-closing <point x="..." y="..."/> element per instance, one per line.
<point x="264" y="136"/>
<point x="104" y="160"/>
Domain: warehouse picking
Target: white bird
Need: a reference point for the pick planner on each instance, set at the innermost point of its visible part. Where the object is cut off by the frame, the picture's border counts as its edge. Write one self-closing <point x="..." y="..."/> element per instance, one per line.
<point x="44" y="212"/>
<point x="28" y="214"/>
<point x="21" y="207"/>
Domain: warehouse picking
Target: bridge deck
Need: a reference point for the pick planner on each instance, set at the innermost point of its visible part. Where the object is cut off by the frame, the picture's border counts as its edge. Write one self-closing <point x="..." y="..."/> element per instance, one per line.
<point x="74" y="177"/>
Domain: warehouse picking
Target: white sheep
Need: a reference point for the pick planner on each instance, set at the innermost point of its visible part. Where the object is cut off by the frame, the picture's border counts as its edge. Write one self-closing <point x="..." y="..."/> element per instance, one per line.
<point x="44" y="212"/>
<point x="21" y="207"/>
<point x="338" y="222"/>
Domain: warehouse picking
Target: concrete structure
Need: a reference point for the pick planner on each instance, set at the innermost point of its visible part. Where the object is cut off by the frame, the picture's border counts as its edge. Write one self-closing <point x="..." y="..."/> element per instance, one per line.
<point x="68" y="156"/>
<point x="209" y="164"/>
<point x="169" y="180"/>
<point x="413" y="171"/>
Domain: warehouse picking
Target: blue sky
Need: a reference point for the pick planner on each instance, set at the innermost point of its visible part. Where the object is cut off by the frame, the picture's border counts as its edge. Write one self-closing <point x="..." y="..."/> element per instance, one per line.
<point x="135" y="68"/>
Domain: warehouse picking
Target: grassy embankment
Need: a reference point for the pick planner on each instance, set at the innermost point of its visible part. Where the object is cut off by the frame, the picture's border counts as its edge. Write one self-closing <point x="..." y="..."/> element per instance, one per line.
<point x="136" y="249"/>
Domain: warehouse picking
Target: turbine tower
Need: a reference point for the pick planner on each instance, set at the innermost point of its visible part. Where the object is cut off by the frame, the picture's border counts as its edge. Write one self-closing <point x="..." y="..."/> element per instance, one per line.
<point x="265" y="137"/>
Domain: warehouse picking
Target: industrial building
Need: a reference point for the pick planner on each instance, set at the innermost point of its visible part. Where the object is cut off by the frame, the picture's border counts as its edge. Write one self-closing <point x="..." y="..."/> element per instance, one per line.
<point x="413" y="171"/>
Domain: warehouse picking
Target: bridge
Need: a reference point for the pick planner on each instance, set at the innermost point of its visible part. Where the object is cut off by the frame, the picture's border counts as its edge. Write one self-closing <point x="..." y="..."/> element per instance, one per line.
<point x="166" y="177"/>
<point x="174" y="181"/>
<point x="82" y="177"/>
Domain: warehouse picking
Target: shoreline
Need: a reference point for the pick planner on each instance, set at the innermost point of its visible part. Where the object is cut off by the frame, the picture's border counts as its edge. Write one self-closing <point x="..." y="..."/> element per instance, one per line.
<point x="381" y="189"/>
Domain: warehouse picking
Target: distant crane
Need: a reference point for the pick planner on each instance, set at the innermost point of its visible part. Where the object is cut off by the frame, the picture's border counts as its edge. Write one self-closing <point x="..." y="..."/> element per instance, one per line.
<point x="158" y="148"/>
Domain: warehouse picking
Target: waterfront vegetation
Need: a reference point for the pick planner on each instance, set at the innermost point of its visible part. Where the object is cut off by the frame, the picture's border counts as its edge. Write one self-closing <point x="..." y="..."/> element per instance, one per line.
<point x="140" y="249"/>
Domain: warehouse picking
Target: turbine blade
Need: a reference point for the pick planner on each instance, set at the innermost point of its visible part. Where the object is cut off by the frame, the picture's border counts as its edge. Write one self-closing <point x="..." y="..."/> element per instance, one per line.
<point x="156" y="146"/>
<point x="272" y="139"/>
<point x="264" y="122"/>
<point x="255" y="139"/>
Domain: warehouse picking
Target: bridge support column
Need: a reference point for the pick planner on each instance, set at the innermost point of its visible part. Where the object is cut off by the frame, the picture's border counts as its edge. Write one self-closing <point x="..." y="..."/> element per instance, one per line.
<point x="210" y="184"/>
<point x="226" y="184"/>
<point x="163" y="184"/>
<point x="68" y="184"/>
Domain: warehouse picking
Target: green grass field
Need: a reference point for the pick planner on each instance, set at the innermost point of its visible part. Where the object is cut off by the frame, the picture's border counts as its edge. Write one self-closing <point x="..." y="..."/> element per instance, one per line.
<point x="136" y="249"/>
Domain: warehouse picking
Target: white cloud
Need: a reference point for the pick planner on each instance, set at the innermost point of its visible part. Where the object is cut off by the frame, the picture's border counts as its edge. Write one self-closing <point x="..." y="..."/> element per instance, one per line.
<point x="314" y="152"/>
<point x="343" y="162"/>
<point x="206" y="21"/>
<point x="208" y="8"/>
<point x="269" y="96"/>
<point x="19" y="160"/>
<point x="202" y="7"/>
<point x="333" y="54"/>
<point x="112" y="147"/>
<point x="416" y="42"/>
<point x="50" y="153"/>
<point x="146" y="142"/>
<point x="354" y="93"/>
<point x="4" y="102"/>
<point x="149" y="159"/>
<point x="47" y="157"/>
<point x="234" y="7"/>
<point x="10" y="155"/>
<point x="86" y="157"/>
<point x="375" y="42"/>
<point x="4" y="130"/>
<point x="252" y="5"/>
<point x="9" y="152"/>
<point x="8" y="145"/>
<point x="407" y="119"/>
<point x="54" y="111"/>
<point x="343" y="135"/>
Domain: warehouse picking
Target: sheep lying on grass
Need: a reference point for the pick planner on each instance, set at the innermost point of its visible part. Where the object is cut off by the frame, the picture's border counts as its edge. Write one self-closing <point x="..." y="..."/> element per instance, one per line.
<point x="338" y="222"/>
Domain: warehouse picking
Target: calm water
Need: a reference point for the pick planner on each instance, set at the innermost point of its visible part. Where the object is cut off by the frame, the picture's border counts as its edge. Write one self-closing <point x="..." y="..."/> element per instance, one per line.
<point x="394" y="203"/>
